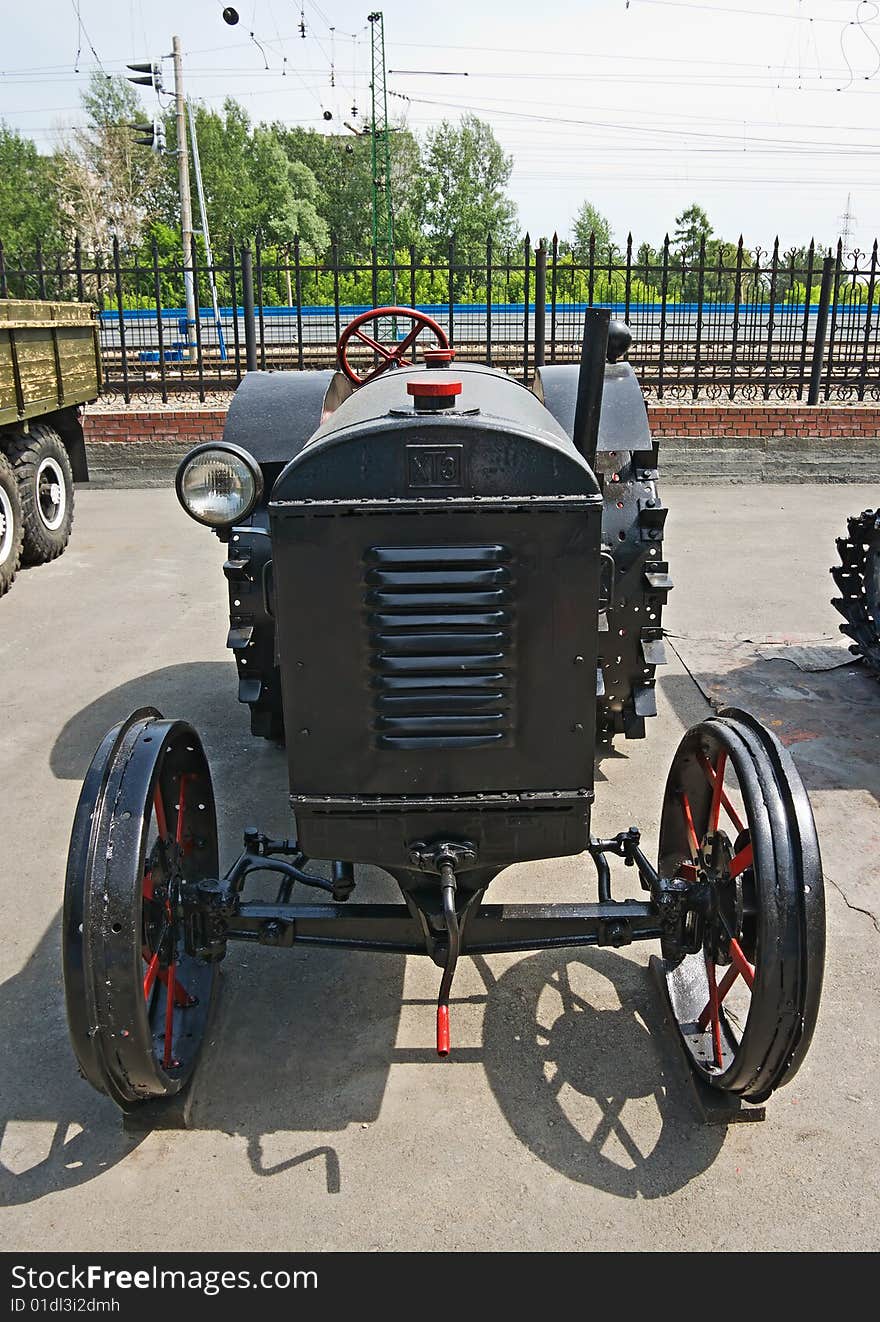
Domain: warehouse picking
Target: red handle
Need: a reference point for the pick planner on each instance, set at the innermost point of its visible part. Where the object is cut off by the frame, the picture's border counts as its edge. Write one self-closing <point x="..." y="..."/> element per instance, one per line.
<point x="442" y="1030"/>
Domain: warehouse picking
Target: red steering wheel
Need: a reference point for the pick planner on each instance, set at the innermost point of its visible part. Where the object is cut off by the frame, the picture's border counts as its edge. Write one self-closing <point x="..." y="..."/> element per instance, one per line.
<point x="390" y="356"/>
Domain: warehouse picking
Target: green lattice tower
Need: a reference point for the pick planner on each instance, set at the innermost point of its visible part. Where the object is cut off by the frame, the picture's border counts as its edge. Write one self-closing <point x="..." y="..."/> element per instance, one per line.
<point x="380" y="142"/>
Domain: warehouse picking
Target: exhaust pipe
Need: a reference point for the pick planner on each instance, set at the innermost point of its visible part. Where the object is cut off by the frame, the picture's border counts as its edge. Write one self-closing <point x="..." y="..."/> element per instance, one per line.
<point x="591" y="379"/>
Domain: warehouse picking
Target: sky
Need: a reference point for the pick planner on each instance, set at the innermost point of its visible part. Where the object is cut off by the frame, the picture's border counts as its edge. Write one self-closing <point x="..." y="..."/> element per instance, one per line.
<point x="767" y="114"/>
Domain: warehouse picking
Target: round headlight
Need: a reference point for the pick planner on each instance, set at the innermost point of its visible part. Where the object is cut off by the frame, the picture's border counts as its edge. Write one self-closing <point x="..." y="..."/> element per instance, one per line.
<point x="219" y="484"/>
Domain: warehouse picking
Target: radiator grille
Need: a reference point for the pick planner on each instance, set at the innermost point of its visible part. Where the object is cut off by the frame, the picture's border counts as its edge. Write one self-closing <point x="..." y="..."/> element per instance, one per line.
<point x="441" y="629"/>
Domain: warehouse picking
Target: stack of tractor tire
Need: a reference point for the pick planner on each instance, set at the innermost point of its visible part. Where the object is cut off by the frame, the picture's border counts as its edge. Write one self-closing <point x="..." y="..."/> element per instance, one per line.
<point x="858" y="578"/>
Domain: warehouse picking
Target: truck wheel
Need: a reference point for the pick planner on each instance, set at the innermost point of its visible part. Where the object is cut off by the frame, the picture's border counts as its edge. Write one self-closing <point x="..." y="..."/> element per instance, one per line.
<point x="45" y="487"/>
<point x="11" y="527"/>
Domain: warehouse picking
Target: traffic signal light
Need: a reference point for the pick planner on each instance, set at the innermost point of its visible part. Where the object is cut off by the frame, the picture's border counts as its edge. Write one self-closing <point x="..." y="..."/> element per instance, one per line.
<point x="150" y="135"/>
<point x="153" y="74"/>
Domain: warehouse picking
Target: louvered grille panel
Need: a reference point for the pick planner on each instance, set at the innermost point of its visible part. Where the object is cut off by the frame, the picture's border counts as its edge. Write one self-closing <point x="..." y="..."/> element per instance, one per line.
<point x="441" y="623"/>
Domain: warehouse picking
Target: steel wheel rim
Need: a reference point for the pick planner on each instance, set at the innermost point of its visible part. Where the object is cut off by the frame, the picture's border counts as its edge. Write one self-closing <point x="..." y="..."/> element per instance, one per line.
<point x="51" y="493"/>
<point x="771" y="948"/>
<point x="137" y="1003"/>
<point x="7" y="527"/>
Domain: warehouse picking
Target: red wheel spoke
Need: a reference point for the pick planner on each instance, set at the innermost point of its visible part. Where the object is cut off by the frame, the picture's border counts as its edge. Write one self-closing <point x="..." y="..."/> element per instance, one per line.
<point x="182" y="998"/>
<point x="374" y="345"/>
<point x="714" y="1013"/>
<point x="170" y="980"/>
<point x="741" y="964"/>
<point x="689" y="823"/>
<point x="148" y="886"/>
<point x="744" y="859"/>
<point x="687" y="871"/>
<point x="728" y="806"/>
<point x="717" y="791"/>
<point x="150" y="975"/>
<point x="404" y="344"/>
<point x="159" y="805"/>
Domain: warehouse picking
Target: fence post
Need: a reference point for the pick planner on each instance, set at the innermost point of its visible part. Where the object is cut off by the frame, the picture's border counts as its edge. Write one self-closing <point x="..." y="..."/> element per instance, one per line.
<point x="737" y="300"/>
<point x="412" y="276"/>
<point x="41" y="274"/>
<point x="664" y="294"/>
<point x="701" y="294"/>
<point x="77" y="262"/>
<point x="872" y="279"/>
<point x="334" y="253"/>
<point x="527" y="252"/>
<point x="771" y="319"/>
<point x="451" y="261"/>
<point x="160" y="329"/>
<point x="374" y="260"/>
<point x="233" y="299"/>
<point x="828" y="266"/>
<point x="540" y="303"/>
<point x="488" y="300"/>
<point x="832" y="329"/>
<point x="297" y="275"/>
<point x="117" y="275"/>
<point x="805" y="329"/>
<point x="247" y="299"/>
<point x="554" y="286"/>
<point x="258" y="251"/>
<point x="4" y="289"/>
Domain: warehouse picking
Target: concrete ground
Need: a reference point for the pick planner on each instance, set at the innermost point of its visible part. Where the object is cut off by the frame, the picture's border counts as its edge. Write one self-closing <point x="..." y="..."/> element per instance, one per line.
<point x="321" y="1117"/>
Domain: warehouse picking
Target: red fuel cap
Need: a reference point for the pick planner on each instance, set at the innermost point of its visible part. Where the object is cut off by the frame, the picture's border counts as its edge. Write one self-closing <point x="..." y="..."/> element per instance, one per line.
<point x="438" y="357"/>
<point x="433" y="392"/>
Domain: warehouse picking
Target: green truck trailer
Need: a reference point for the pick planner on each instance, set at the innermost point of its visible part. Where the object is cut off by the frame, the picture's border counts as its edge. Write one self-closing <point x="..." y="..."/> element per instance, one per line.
<point x="50" y="366"/>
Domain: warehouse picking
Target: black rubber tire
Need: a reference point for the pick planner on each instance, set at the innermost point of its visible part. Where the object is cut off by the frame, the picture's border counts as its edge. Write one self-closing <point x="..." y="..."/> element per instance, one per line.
<point x="787" y="932"/>
<point x="11" y="526"/>
<point x="42" y="465"/>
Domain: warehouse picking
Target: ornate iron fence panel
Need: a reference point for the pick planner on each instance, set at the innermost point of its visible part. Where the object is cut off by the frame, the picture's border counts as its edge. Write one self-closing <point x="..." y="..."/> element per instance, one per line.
<point x="714" y="321"/>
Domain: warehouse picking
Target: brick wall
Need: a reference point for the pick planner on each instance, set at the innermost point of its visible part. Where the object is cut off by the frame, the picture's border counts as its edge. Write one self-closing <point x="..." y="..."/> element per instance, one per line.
<point x="768" y="420"/>
<point x="191" y="426"/>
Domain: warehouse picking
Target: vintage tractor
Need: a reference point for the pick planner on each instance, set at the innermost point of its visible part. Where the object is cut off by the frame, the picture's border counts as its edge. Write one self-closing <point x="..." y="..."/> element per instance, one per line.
<point x="858" y="577"/>
<point x="445" y="593"/>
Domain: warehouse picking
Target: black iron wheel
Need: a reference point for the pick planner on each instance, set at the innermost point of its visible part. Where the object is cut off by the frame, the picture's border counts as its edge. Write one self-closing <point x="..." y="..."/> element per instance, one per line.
<point x="145" y="828"/>
<point x="737" y="818"/>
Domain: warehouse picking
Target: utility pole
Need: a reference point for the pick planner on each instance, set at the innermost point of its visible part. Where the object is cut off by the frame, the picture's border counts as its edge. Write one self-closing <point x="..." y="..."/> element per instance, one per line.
<point x="380" y="142"/>
<point x="206" y="233"/>
<point x="186" y="225"/>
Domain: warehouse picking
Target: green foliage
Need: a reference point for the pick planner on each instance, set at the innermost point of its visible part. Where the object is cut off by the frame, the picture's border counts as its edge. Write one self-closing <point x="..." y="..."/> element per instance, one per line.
<point x="589" y="224"/>
<point x="461" y="188"/>
<point x="30" y="209"/>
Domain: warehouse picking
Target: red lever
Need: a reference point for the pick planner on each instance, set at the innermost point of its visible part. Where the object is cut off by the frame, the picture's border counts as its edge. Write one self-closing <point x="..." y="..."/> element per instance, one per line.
<point x="442" y="1030"/>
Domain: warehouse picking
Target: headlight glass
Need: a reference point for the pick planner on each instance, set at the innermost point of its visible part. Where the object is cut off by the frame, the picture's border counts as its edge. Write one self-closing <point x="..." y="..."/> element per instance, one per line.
<point x="217" y="487"/>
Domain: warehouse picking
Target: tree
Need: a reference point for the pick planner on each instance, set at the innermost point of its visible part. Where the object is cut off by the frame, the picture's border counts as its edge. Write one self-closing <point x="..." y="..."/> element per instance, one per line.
<point x="465" y="172"/>
<point x="108" y="182"/>
<point x="250" y="183"/>
<point x="29" y="198"/>
<point x="342" y="166"/>
<point x="589" y="221"/>
<point x="690" y="228"/>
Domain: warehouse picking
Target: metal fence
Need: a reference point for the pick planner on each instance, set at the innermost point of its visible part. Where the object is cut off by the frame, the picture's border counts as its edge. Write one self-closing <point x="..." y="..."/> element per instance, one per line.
<point x="725" y="322"/>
